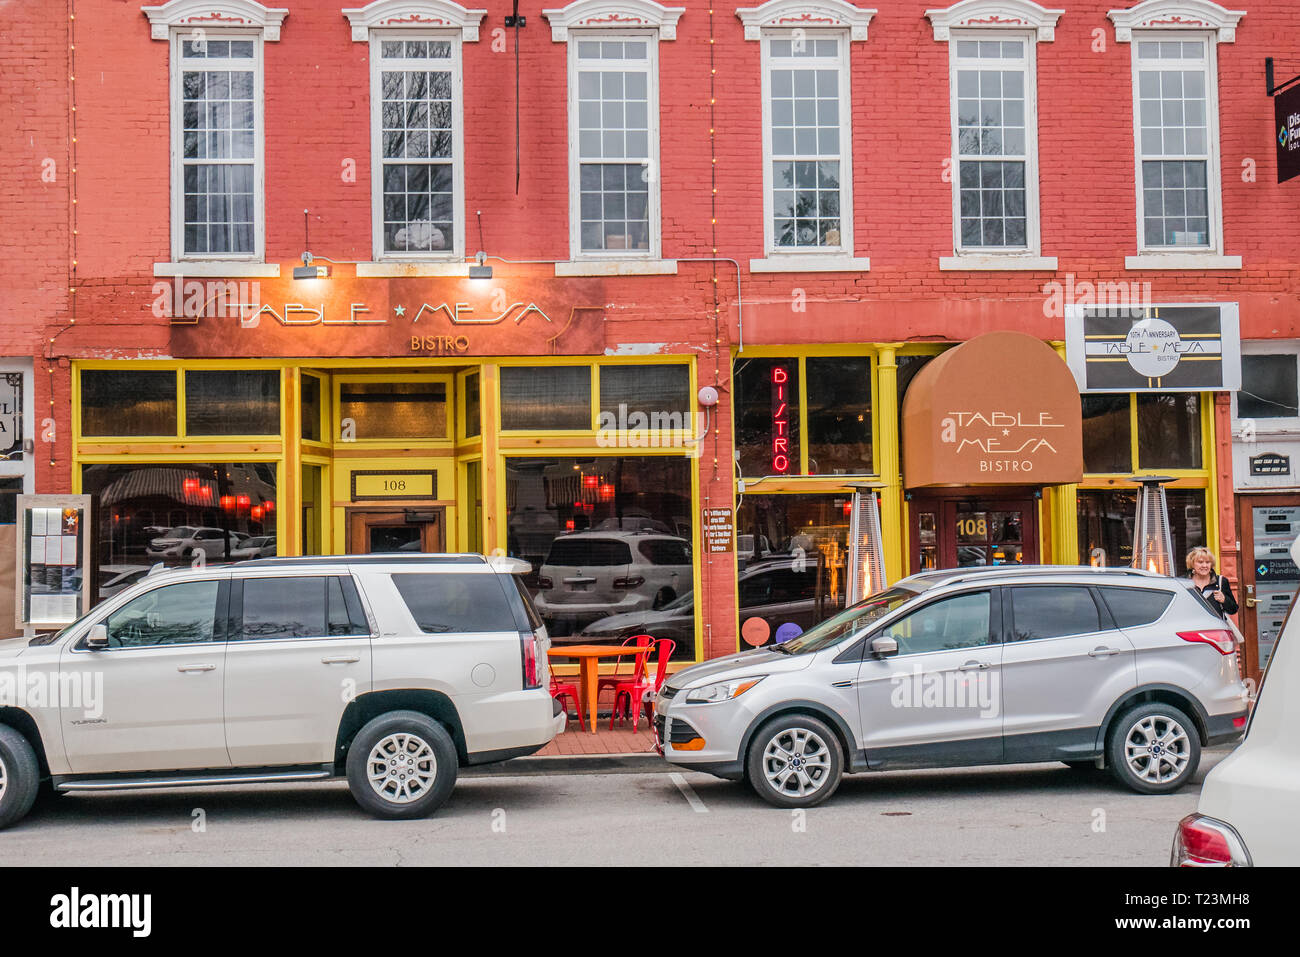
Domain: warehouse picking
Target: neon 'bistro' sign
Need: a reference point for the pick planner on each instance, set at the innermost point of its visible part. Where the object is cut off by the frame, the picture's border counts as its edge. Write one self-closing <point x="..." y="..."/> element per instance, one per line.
<point x="780" y="420"/>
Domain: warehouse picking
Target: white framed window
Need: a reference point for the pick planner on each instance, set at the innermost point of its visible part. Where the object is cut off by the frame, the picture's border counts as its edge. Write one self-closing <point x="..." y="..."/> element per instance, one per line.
<point x="418" y="145"/>
<point x="614" y="145"/>
<point x="218" y="173"/>
<point x="1179" y="190"/>
<point x="993" y="94"/>
<point x="807" y="133"/>
<point x="218" y="180"/>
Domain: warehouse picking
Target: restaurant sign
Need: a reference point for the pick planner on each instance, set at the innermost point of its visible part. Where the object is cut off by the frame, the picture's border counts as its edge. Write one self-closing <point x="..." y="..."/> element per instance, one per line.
<point x="369" y="317"/>
<point x="1193" y="347"/>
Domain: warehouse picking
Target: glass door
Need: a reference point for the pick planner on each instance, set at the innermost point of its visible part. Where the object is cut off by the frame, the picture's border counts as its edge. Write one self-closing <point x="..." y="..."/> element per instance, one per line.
<point x="395" y="530"/>
<point x="970" y="531"/>
<point x="1269" y="579"/>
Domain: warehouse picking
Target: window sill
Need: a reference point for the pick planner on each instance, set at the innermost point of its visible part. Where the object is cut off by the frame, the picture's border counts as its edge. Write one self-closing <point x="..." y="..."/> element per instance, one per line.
<point x="218" y="269"/>
<point x="396" y="270"/>
<point x="811" y="263"/>
<point x="617" y="267"/>
<point x="1182" y="261"/>
<point x="992" y="262"/>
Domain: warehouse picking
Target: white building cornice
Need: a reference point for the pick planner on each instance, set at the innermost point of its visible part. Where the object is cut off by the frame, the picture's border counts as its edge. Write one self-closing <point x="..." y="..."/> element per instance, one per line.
<point x="613" y="13"/>
<point x="414" y="14"/>
<point x="810" y="14"/>
<point x="214" y="14"/>
<point x="995" y="14"/>
<point x="1176" y="15"/>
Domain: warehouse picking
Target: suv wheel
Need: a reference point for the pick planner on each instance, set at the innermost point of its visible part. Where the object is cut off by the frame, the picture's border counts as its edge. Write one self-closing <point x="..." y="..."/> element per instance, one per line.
<point x="1153" y="748"/>
<point x="794" y="761"/>
<point x="20" y="776"/>
<point x="401" y="765"/>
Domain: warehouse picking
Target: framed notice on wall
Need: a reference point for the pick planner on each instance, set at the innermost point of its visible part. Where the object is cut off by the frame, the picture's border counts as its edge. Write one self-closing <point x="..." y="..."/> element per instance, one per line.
<point x="53" y="560"/>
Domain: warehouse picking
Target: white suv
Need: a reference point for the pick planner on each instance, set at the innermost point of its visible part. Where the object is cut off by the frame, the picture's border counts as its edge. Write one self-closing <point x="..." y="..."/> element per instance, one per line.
<point x="393" y="671"/>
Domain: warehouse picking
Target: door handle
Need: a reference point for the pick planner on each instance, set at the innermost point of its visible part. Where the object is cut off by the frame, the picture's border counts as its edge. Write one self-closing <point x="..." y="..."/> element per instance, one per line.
<point x="1103" y="652"/>
<point x="1252" y="602"/>
<point x="975" y="666"/>
<point x="196" y="668"/>
<point x="340" y="659"/>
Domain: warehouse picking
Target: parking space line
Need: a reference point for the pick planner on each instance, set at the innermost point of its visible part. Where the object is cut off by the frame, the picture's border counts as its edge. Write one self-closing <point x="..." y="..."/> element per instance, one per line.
<point x="689" y="793"/>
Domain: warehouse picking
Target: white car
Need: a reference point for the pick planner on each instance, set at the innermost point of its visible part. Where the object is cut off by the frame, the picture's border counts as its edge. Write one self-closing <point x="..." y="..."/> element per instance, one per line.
<point x="1246" y="813"/>
<point x="389" y="671"/>
<point x="185" y="541"/>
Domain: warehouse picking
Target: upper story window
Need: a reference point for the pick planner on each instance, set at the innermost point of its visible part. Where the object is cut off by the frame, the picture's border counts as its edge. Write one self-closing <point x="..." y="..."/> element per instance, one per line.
<point x="807" y="142"/>
<point x="992" y="60"/>
<point x="218" y="168"/>
<point x="1176" y="123"/>
<point x="614" y="124"/>
<point x="417" y="124"/>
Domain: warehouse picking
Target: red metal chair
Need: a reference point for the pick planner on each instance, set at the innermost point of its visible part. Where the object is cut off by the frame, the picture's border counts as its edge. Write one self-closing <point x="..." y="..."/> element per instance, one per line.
<point x="568" y="691"/>
<point x="611" y="682"/>
<point x="635" y="689"/>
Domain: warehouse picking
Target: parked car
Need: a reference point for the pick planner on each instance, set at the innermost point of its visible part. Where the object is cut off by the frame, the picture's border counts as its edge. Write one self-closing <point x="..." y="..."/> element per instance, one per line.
<point x="1246" y="812"/>
<point x="589" y="575"/>
<point x="183" y="542"/>
<point x="114" y="578"/>
<point x="259" y="546"/>
<point x="236" y="674"/>
<point x="1004" y="664"/>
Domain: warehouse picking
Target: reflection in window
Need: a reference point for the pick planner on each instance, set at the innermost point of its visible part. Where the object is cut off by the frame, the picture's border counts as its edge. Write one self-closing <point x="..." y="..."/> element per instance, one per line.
<point x="395" y="410"/>
<point x="608" y="539"/>
<point x="1047" y="611"/>
<point x="1268" y="388"/>
<point x="791" y="556"/>
<point x="546" y="397"/>
<point x="310" y="408"/>
<point x="951" y="623"/>
<point x="1169" y="430"/>
<point x="473" y="412"/>
<point x="1106" y="522"/>
<point x="232" y="403"/>
<point x="659" y="392"/>
<point x="1106" y="433"/>
<point x="839" y="416"/>
<point x="180" y="614"/>
<point x="128" y="403"/>
<point x="176" y="512"/>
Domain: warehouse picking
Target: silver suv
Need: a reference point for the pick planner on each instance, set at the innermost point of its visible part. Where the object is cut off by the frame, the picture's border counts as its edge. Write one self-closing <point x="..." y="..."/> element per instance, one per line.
<point x="391" y="671"/>
<point x="1097" y="668"/>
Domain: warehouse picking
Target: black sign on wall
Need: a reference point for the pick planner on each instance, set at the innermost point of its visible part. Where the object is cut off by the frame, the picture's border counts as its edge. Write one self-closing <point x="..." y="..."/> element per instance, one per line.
<point x="1286" y="133"/>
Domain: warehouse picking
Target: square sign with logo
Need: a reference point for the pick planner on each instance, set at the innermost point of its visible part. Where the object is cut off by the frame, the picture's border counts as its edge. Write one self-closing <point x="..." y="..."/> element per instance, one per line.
<point x="1286" y="133"/>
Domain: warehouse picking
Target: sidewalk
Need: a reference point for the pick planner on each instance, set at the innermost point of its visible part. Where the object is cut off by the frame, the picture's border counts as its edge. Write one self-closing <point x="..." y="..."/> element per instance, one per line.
<point x="576" y="751"/>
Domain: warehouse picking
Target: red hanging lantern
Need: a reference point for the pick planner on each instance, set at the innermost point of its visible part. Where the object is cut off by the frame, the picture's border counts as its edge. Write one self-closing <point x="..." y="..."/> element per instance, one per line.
<point x="244" y="501"/>
<point x="257" y="513"/>
<point x="205" y="492"/>
<point x="569" y="525"/>
<point x="607" y="492"/>
<point x="190" y="485"/>
<point x="268" y="505"/>
<point x="590" y="481"/>
<point x="227" y="503"/>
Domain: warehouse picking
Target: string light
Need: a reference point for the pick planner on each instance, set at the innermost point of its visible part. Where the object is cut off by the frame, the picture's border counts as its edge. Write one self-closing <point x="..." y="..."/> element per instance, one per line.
<point x="50" y="360"/>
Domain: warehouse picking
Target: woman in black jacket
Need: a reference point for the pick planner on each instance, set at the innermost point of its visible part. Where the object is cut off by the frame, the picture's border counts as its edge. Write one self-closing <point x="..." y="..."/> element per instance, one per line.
<point x="1215" y="587"/>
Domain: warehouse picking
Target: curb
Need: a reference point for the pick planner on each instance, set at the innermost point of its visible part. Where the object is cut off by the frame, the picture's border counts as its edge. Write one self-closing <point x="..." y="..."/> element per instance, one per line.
<point x="572" y="764"/>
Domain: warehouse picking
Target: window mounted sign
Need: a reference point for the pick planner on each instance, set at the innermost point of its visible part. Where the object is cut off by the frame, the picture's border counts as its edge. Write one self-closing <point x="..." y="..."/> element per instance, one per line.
<point x="371" y="486"/>
<point x="780" y="420"/>
<point x="1193" y="347"/>
<point x="718" y="529"/>
<point x="11" y="415"/>
<point x="53" y="560"/>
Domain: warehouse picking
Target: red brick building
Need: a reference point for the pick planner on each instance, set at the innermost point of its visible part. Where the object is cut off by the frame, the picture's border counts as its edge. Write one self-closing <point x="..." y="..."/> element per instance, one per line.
<point x="814" y="195"/>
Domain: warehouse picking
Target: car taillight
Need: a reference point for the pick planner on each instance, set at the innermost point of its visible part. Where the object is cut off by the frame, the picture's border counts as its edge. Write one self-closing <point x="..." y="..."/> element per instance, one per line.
<point x="1205" y="842"/>
<point x="544" y="584"/>
<point x="532" y="669"/>
<point x="1220" y="638"/>
<point x="635" y="581"/>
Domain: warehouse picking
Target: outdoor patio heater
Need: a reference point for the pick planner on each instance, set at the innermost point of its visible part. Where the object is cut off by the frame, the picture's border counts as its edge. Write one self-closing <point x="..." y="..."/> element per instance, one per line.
<point x="866" y="571"/>
<point x="1153" y="540"/>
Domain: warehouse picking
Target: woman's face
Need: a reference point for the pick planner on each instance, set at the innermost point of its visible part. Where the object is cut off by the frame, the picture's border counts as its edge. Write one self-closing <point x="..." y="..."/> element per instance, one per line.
<point x="1202" y="564"/>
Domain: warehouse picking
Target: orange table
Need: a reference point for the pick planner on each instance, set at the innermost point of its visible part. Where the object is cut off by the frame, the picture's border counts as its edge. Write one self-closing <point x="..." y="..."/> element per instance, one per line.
<point x="589" y="667"/>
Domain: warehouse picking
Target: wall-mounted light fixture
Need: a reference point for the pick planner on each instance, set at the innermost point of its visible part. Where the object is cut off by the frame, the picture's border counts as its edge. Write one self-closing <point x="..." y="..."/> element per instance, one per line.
<point x="480" y="270"/>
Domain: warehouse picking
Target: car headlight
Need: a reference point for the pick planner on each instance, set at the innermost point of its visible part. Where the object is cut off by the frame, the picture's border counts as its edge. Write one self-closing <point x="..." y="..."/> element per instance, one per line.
<point x="722" y="690"/>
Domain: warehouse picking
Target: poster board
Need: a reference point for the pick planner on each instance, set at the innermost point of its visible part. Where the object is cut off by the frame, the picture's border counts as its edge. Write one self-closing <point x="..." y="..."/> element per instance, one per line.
<point x="53" y="579"/>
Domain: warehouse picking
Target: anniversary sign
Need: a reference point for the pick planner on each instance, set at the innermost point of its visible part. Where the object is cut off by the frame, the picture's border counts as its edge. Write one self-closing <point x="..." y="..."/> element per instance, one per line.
<point x="346" y="316"/>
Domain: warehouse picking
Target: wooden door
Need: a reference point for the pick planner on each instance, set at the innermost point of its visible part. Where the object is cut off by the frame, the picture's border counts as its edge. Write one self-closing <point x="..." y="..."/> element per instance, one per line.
<point x="395" y="530"/>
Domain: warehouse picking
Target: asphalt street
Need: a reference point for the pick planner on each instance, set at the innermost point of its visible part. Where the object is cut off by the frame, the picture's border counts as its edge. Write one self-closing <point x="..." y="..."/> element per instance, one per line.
<point x="1015" y="815"/>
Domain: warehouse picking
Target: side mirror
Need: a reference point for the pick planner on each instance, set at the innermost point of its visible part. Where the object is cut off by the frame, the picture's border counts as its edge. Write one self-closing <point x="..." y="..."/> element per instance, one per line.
<point x="884" y="647"/>
<point x="97" y="639"/>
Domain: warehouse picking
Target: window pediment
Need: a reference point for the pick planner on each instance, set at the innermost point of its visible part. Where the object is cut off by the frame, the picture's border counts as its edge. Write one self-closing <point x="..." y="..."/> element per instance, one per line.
<point x="613" y="13"/>
<point x="414" y="14"/>
<point x="1176" y="15"/>
<point x="794" y="14"/>
<point x="995" y="14"/>
<point x="200" y="14"/>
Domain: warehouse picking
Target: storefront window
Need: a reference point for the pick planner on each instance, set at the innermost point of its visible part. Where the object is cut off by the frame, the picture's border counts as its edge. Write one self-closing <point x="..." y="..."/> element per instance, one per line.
<point x="1169" y="430"/>
<point x="394" y="410"/>
<point x="178" y="513"/>
<point x="767" y="416"/>
<point x="128" y="403"/>
<point x="1268" y="387"/>
<point x="791" y="560"/>
<point x="1106" y="522"/>
<point x="10" y="489"/>
<point x="546" y="398"/>
<point x="310" y="408"/>
<point x="609" y="540"/>
<point x="659" y="392"/>
<point x="839" y="416"/>
<point x="1107" y="432"/>
<point x="232" y="403"/>
<point x="473" y="410"/>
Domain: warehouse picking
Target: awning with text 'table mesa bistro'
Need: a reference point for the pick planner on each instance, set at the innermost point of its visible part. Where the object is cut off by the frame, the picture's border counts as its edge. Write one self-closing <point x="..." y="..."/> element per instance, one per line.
<point x="1000" y="409"/>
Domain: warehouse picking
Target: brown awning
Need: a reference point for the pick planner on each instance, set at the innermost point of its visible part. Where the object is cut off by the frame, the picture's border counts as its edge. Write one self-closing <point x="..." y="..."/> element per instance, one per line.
<point x="1000" y="409"/>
